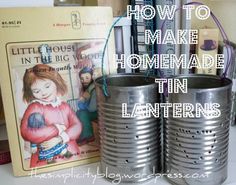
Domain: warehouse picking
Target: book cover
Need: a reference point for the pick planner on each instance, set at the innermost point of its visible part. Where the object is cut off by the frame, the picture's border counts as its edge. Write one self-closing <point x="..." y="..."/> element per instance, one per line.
<point x="207" y="45"/>
<point x="50" y="58"/>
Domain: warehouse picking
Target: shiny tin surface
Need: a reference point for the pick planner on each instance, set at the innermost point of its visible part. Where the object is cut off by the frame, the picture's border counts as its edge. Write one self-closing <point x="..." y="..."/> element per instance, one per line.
<point x="197" y="148"/>
<point x="130" y="147"/>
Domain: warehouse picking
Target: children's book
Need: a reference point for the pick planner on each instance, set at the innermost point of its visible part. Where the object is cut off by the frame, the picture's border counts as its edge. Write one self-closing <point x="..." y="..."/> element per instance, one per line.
<point x="50" y="58"/>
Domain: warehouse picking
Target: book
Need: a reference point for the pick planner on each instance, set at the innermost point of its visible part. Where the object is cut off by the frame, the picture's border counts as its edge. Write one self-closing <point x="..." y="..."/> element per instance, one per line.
<point x="229" y="52"/>
<point x="229" y="59"/>
<point x="122" y="31"/>
<point x="138" y="45"/>
<point x="174" y="24"/>
<point x="208" y="43"/>
<point x="185" y="25"/>
<point x="26" y="3"/>
<point x="119" y="7"/>
<point x="50" y="58"/>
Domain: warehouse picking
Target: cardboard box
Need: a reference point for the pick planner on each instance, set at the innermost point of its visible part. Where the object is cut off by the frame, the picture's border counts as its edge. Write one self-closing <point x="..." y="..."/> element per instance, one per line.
<point x="119" y="7"/>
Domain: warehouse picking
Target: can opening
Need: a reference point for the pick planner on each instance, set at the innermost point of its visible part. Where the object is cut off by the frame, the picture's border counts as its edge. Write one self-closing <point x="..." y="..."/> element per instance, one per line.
<point x="127" y="80"/>
<point x="205" y="81"/>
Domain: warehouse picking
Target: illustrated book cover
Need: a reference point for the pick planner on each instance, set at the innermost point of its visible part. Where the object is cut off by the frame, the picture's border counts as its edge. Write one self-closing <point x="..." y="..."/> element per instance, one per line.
<point x="50" y="58"/>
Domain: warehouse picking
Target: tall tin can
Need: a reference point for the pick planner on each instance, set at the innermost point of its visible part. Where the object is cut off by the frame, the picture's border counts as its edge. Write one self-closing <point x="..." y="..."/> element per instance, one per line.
<point x="196" y="149"/>
<point x="130" y="147"/>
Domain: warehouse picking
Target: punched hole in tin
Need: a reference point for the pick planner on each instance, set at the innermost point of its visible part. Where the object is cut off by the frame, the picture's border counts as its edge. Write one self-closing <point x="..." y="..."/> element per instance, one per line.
<point x="126" y="161"/>
<point x="136" y="137"/>
<point x="195" y="162"/>
<point x="114" y="140"/>
<point x="184" y="151"/>
<point x="180" y="144"/>
<point x="209" y="152"/>
<point x="216" y="160"/>
<point x="201" y="158"/>
<point x="126" y="127"/>
<point x="187" y="156"/>
<point x="198" y="132"/>
<point x="148" y="148"/>
<point x="193" y="137"/>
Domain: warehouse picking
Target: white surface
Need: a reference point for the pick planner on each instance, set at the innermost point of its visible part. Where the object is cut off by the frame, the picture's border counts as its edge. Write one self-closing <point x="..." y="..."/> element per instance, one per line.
<point x="25" y="3"/>
<point x="73" y="176"/>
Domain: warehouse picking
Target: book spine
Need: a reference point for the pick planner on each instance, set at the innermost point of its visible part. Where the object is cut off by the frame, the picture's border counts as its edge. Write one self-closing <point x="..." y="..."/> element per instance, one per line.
<point x="177" y="27"/>
<point x="123" y="41"/>
<point x="232" y="75"/>
<point x="142" y="25"/>
<point x="185" y="25"/>
<point x="233" y="67"/>
<point x="169" y="25"/>
<point x="227" y="56"/>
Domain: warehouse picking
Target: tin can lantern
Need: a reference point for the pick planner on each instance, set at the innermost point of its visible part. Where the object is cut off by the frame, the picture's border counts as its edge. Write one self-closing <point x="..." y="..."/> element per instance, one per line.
<point x="196" y="149"/>
<point x="130" y="147"/>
